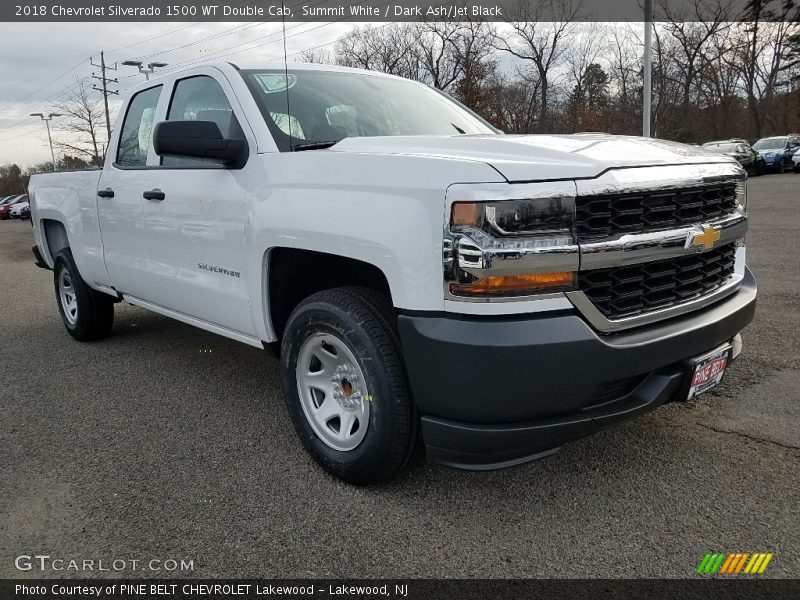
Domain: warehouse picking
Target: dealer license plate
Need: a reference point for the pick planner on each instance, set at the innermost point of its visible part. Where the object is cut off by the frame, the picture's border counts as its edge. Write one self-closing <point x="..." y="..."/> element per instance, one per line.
<point x="708" y="371"/>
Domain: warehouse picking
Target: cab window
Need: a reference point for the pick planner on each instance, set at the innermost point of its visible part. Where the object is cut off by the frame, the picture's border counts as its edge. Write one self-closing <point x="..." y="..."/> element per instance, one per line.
<point x="137" y="128"/>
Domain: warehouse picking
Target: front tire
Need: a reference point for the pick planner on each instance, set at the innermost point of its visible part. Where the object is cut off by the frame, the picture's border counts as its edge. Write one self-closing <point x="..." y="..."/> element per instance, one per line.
<point x="345" y="386"/>
<point x="87" y="314"/>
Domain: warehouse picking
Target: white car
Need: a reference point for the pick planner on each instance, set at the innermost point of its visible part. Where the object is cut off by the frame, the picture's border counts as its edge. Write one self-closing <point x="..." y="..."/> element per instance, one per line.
<point x="430" y="282"/>
<point x="15" y="212"/>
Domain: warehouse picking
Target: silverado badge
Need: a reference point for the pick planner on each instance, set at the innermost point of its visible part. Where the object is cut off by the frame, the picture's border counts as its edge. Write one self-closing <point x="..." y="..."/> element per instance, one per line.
<point x="706" y="237"/>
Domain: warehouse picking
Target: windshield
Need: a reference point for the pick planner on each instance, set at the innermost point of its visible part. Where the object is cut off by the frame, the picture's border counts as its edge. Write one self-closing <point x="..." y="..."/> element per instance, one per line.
<point x="775" y="143"/>
<point x="328" y="106"/>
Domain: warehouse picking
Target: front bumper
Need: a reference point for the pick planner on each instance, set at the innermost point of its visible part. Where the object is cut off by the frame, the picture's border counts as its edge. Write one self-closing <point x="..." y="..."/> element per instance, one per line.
<point x="494" y="392"/>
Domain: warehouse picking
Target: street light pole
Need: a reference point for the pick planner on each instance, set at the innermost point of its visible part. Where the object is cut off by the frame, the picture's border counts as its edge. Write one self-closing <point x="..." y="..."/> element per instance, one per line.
<point x="647" y="100"/>
<point x="47" y="120"/>
<point x="146" y="71"/>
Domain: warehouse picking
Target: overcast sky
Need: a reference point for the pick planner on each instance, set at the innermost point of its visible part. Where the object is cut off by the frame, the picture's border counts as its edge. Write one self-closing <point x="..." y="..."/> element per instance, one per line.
<point x="37" y="60"/>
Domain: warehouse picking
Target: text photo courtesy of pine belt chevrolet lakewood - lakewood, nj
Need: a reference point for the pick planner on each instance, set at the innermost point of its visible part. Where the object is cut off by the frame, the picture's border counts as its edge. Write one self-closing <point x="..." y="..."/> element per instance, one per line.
<point x="312" y="305"/>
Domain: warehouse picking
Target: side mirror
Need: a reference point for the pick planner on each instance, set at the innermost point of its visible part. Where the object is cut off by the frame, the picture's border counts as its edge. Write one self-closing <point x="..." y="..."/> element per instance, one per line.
<point x="198" y="139"/>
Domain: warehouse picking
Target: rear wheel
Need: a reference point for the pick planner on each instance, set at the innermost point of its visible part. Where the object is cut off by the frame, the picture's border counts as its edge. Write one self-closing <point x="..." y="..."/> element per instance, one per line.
<point x="345" y="387"/>
<point x="87" y="314"/>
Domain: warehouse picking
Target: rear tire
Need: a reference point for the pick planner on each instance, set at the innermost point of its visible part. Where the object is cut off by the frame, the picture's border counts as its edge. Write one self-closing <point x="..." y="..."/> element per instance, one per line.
<point x="87" y="314"/>
<point x="330" y="338"/>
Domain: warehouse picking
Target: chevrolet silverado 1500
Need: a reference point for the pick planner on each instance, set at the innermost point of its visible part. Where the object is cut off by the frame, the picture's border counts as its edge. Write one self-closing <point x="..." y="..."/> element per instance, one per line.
<point x="430" y="283"/>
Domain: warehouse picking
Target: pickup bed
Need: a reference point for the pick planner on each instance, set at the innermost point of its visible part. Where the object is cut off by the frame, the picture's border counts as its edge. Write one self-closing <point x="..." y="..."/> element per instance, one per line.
<point x="429" y="283"/>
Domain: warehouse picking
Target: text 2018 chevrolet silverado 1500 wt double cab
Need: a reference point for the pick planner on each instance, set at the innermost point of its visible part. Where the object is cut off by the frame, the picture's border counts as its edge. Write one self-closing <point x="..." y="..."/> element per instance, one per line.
<point x="431" y="282"/>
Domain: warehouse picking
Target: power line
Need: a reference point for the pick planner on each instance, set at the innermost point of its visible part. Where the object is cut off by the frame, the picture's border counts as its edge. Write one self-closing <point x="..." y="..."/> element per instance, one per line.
<point x="320" y="26"/>
<point x="39" y="104"/>
<point x="48" y="84"/>
<point x="170" y="32"/>
<point x="225" y="51"/>
<point x="237" y="29"/>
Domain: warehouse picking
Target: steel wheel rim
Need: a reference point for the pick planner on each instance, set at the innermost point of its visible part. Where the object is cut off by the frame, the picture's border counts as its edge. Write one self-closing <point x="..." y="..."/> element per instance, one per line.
<point x="69" y="300"/>
<point x="333" y="392"/>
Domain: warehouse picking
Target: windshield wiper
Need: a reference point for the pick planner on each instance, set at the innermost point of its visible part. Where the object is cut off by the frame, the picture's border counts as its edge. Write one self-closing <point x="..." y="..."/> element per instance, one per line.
<point x="458" y="129"/>
<point x="315" y="146"/>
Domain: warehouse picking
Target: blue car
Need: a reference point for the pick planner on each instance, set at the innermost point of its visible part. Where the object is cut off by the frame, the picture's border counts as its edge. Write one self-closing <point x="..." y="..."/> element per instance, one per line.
<point x="777" y="151"/>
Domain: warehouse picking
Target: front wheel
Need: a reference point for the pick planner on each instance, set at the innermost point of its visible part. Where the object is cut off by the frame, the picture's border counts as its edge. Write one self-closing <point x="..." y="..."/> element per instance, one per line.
<point x="345" y="386"/>
<point x="87" y="314"/>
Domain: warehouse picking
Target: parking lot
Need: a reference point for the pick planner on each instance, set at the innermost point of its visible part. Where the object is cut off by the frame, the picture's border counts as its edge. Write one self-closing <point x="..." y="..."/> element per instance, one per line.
<point x="168" y="442"/>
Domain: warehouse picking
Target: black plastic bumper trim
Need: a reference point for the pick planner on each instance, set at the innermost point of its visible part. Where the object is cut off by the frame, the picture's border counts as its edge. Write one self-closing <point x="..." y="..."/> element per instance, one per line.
<point x="498" y="392"/>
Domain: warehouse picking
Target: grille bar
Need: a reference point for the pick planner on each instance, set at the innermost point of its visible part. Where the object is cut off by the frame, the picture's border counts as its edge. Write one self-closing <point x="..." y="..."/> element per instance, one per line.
<point x="605" y="215"/>
<point x="629" y="291"/>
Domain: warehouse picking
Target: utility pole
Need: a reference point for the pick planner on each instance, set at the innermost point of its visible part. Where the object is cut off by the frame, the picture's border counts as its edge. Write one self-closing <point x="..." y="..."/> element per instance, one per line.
<point x="647" y="101"/>
<point x="47" y="120"/>
<point x="104" y="90"/>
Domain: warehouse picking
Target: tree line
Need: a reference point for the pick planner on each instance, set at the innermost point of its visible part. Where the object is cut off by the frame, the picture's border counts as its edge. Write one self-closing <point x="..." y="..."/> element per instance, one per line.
<point x="712" y="77"/>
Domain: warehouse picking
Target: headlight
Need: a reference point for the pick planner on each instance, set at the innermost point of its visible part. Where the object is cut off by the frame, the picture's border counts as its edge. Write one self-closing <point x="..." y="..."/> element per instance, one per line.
<point x="498" y="244"/>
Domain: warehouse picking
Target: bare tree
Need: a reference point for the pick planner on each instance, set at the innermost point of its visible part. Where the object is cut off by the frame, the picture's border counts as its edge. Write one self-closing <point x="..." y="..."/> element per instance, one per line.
<point x="479" y="78"/>
<point x="388" y="48"/>
<point x="84" y="123"/>
<point x="317" y="56"/>
<point x="541" y="43"/>
<point x="581" y="55"/>
<point x="438" y="49"/>
<point x="625" y="67"/>
<point x="765" y="43"/>
<point x="692" y="37"/>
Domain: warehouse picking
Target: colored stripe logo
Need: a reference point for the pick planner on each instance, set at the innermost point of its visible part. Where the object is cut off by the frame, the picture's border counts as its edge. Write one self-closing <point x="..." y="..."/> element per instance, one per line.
<point x="734" y="563"/>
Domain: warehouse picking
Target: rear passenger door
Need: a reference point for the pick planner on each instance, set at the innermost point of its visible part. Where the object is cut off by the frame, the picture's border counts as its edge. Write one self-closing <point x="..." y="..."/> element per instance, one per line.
<point x="195" y="223"/>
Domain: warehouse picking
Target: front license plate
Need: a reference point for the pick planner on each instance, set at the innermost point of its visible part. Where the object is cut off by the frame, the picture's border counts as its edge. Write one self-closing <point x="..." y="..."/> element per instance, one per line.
<point x="708" y="371"/>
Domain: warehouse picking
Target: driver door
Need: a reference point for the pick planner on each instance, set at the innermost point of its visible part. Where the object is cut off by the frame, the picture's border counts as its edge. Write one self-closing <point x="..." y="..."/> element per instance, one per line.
<point x="194" y="217"/>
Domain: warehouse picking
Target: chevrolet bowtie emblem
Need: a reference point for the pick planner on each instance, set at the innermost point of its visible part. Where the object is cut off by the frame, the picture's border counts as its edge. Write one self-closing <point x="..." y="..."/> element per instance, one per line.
<point x="706" y="238"/>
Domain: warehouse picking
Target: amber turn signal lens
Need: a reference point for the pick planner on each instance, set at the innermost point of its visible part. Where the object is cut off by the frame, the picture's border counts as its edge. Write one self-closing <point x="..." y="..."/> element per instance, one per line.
<point x="500" y="285"/>
<point x="465" y="213"/>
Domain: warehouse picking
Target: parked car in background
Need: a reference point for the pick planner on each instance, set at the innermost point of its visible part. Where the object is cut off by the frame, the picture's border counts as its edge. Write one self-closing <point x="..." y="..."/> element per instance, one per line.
<point x="777" y="151"/>
<point x="25" y="213"/>
<point x="741" y="151"/>
<point x="15" y="212"/>
<point x="5" y="209"/>
<point x="7" y="199"/>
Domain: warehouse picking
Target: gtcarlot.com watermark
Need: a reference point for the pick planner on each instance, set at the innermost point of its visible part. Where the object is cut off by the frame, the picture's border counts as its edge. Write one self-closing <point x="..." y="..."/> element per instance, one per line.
<point x="45" y="562"/>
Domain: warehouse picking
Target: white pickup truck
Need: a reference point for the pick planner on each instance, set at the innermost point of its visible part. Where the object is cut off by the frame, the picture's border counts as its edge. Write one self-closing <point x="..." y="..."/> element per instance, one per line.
<point x="430" y="283"/>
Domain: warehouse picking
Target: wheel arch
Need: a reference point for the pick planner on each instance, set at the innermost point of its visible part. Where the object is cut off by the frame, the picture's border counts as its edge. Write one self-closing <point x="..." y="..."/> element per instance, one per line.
<point x="55" y="237"/>
<point x="292" y="274"/>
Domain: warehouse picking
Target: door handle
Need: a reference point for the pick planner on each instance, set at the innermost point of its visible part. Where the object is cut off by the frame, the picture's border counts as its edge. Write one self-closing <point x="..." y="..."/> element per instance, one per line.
<point x="155" y="194"/>
<point x="106" y="193"/>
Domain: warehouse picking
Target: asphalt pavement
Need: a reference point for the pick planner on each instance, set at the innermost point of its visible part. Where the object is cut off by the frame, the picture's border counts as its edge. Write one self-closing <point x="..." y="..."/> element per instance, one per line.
<point x="167" y="442"/>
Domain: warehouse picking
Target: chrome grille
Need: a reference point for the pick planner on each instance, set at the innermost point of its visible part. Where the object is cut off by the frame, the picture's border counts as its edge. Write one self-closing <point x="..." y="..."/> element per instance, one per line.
<point x="605" y="215"/>
<point x="629" y="291"/>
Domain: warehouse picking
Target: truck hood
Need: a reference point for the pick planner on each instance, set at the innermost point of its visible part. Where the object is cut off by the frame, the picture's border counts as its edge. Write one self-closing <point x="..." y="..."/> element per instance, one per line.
<point x="536" y="157"/>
